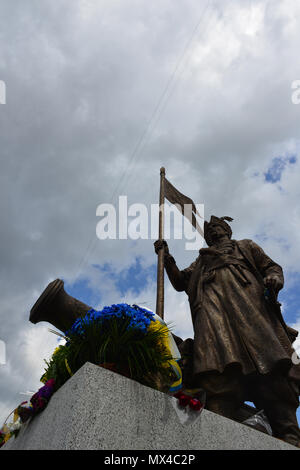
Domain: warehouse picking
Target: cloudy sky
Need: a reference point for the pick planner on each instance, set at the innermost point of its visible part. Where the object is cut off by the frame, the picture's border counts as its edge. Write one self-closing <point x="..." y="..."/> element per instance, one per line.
<point x="99" y="95"/>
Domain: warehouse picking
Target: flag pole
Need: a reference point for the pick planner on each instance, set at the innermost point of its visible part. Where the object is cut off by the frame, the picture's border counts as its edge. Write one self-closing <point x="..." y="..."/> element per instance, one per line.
<point x="160" y="260"/>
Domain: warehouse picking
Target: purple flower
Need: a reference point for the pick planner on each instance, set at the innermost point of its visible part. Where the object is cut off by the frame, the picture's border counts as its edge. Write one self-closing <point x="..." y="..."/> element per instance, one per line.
<point x="40" y="399"/>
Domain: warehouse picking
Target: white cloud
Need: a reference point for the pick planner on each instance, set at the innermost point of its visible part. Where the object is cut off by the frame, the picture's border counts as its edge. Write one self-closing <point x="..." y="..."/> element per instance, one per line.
<point x="296" y="344"/>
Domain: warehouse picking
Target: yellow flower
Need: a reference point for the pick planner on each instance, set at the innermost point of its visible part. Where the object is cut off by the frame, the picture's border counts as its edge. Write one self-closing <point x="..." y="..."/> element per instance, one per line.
<point x="56" y="351"/>
<point x="44" y="377"/>
<point x="164" y="339"/>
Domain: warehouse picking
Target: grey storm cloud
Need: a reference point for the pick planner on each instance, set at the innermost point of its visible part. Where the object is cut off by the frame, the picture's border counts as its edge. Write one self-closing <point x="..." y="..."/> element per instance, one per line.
<point x="100" y="94"/>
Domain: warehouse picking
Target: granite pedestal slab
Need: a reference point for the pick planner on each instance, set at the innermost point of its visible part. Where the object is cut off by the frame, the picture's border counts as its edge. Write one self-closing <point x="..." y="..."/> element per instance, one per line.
<point x="99" y="409"/>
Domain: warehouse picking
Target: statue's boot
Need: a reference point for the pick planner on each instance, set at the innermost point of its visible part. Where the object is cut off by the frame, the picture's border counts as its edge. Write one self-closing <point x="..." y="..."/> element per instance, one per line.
<point x="279" y="398"/>
<point x="283" y="421"/>
<point x="57" y="307"/>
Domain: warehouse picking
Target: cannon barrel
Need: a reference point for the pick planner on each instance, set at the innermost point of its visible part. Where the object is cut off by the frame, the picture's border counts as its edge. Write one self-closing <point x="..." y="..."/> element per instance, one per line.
<point x="57" y="307"/>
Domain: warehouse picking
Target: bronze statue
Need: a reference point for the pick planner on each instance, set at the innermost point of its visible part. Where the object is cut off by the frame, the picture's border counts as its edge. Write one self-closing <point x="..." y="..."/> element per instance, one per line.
<point x="242" y="347"/>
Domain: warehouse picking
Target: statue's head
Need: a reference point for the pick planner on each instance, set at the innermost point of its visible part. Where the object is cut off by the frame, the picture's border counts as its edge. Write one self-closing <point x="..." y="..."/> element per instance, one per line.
<point x="216" y="229"/>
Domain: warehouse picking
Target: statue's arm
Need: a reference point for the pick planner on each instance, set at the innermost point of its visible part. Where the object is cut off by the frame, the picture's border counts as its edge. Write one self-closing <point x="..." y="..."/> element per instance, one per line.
<point x="271" y="271"/>
<point x="177" y="278"/>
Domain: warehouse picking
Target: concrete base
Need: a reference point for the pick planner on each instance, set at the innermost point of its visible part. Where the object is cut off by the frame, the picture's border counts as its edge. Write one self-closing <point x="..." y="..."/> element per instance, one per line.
<point x="99" y="409"/>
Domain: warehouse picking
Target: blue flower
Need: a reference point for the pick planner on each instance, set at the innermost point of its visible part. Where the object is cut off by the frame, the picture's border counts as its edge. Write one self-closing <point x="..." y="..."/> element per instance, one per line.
<point x="137" y="318"/>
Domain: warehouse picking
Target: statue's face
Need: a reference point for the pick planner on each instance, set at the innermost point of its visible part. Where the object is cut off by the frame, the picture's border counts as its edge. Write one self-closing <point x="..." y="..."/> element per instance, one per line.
<point x="217" y="232"/>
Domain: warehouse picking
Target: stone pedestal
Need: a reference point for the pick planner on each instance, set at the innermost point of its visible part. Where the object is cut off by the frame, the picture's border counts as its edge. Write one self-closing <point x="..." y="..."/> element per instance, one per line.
<point x="99" y="409"/>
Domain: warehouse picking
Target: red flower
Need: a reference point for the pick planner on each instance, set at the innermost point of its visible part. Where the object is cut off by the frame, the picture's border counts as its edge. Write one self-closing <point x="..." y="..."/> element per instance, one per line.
<point x="195" y="404"/>
<point x="183" y="399"/>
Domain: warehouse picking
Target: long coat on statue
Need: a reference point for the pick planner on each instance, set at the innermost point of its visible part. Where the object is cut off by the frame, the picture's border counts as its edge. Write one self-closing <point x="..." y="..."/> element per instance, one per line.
<point x="234" y="323"/>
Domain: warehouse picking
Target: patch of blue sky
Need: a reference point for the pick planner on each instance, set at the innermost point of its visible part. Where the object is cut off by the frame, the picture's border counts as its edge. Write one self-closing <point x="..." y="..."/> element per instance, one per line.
<point x="83" y="292"/>
<point x="262" y="238"/>
<point x="289" y="296"/>
<point x="274" y="172"/>
<point x="135" y="278"/>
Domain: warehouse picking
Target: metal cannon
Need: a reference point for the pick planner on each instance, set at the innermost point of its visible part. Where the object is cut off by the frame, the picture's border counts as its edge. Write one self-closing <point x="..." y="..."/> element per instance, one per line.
<point x="57" y="307"/>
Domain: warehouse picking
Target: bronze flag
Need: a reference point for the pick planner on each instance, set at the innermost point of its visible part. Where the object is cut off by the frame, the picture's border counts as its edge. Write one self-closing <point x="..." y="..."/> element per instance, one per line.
<point x="180" y="200"/>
